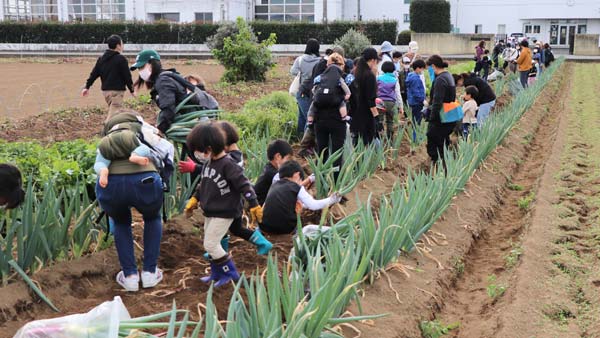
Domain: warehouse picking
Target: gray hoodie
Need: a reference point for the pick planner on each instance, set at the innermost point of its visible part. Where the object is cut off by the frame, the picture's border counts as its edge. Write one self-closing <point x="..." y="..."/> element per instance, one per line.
<point x="305" y="67"/>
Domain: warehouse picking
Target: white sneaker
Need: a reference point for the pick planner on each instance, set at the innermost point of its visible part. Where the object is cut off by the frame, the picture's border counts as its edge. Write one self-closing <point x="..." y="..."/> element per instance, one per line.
<point x="150" y="279"/>
<point x="130" y="283"/>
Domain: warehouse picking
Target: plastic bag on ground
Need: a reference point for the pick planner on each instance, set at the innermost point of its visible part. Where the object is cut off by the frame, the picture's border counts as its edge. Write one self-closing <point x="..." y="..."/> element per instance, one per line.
<point x="100" y="322"/>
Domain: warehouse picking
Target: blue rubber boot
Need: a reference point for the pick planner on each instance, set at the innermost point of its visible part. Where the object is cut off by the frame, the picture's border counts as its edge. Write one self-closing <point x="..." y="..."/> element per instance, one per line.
<point x="263" y="246"/>
<point x="224" y="245"/>
<point x="213" y="274"/>
<point x="225" y="272"/>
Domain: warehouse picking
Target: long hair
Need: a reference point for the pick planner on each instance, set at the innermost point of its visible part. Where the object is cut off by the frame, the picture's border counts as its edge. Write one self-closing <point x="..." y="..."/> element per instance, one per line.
<point x="363" y="70"/>
<point x="156" y="70"/>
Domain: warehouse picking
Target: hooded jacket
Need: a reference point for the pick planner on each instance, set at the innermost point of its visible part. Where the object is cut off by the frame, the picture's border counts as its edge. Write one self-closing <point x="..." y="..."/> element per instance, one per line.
<point x="113" y="70"/>
<point x="414" y="89"/>
<point x="304" y="65"/>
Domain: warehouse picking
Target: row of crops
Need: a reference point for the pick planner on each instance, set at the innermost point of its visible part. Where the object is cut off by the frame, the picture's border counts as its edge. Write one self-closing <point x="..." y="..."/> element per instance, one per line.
<point x="323" y="274"/>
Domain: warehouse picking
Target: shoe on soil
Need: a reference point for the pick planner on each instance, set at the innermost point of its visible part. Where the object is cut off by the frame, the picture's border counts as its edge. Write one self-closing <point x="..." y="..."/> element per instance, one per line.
<point x="129" y="283"/>
<point x="150" y="279"/>
<point x="263" y="246"/>
<point x="225" y="272"/>
<point x="224" y="245"/>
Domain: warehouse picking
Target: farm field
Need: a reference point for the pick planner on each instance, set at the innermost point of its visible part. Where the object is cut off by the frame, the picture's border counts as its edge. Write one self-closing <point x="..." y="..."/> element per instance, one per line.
<point x="514" y="254"/>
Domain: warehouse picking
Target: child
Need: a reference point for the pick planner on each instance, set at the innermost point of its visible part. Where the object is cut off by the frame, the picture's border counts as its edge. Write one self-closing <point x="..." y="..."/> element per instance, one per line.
<point x="197" y="81"/>
<point x="469" y="109"/>
<point x="416" y="93"/>
<point x="11" y="190"/>
<point x="397" y="58"/>
<point x="402" y="75"/>
<point x="334" y="60"/>
<point x="219" y="196"/>
<point x="388" y="89"/>
<point x="286" y="199"/>
<point x="255" y="237"/>
<point x="278" y="152"/>
<point x="120" y="145"/>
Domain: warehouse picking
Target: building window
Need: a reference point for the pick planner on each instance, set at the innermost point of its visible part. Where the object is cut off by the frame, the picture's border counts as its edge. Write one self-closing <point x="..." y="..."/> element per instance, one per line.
<point x="478" y="29"/>
<point x="170" y="17"/>
<point x="406" y="17"/>
<point x="31" y="10"/>
<point x="527" y="29"/>
<point x="204" y="17"/>
<point x="582" y="29"/>
<point x="502" y="29"/>
<point x="536" y="29"/>
<point x="285" y="10"/>
<point x="532" y="29"/>
<point x="406" y="1"/>
<point x="553" y="34"/>
<point x="92" y="10"/>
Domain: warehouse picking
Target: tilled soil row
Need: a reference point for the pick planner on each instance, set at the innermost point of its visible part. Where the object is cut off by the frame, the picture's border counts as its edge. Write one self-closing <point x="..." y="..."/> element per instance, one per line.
<point x="450" y="272"/>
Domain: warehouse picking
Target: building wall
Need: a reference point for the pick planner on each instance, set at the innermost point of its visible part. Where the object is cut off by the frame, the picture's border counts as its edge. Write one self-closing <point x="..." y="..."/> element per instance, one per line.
<point x="587" y="44"/>
<point x="378" y="10"/>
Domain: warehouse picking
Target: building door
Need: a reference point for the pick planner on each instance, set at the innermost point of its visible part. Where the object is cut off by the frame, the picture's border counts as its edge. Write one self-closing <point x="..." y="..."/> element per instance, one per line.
<point x="571" y="38"/>
<point x="478" y="29"/>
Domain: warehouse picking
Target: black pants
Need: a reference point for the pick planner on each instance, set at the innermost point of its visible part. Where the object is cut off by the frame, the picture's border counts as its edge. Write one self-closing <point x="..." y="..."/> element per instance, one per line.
<point x="330" y="130"/>
<point x="238" y="230"/>
<point x="438" y="136"/>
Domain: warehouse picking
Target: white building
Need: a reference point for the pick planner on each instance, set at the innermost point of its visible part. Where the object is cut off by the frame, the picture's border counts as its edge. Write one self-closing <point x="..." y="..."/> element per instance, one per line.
<point x="553" y="21"/>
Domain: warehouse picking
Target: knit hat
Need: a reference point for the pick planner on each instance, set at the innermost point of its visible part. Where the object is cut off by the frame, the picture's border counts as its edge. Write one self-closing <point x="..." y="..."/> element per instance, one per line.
<point x="386" y="46"/>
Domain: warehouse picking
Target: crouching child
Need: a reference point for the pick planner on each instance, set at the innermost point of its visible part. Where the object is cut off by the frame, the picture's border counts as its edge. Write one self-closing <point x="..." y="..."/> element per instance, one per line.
<point x="286" y="199"/>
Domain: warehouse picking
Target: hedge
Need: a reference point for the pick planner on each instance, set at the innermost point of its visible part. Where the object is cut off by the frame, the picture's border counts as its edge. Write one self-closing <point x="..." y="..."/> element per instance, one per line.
<point x="430" y="16"/>
<point x="135" y="32"/>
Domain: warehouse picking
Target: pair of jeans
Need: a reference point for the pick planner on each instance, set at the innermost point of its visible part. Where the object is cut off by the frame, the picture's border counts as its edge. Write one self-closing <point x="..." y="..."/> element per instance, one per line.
<point x="438" y="137"/>
<point x="524" y="77"/>
<point x="466" y="127"/>
<point x="330" y="131"/>
<point x="484" y="111"/>
<point x="417" y="116"/>
<point x="303" y="107"/>
<point x="144" y="192"/>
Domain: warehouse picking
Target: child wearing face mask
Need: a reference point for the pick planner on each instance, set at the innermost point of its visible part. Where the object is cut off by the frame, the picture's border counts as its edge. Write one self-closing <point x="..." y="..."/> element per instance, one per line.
<point x="402" y="75"/>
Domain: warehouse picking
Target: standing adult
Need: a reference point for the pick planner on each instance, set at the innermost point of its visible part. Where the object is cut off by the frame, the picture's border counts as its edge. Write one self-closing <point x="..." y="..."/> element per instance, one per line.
<point x="11" y="191"/>
<point x="486" y="98"/>
<point x="479" y="51"/>
<point x="524" y="62"/>
<point x="548" y="55"/>
<point x="304" y="65"/>
<point x="510" y="54"/>
<point x="443" y="91"/>
<point x="113" y="70"/>
<point x="136" y="186"/>
<point x="386" y="50"/>
<point x="362" y="101"/>
<point x="496" y="52"/>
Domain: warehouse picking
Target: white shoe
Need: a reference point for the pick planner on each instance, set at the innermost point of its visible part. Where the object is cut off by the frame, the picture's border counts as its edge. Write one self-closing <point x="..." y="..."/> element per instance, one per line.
<point x="130" y="283"/>
<point x="150" y="279"/>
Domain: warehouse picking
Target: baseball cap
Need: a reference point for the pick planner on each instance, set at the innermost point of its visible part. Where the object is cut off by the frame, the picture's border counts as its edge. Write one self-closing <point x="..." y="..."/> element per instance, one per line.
<point x="406" y="59"/>
<point x="143" y="57"/>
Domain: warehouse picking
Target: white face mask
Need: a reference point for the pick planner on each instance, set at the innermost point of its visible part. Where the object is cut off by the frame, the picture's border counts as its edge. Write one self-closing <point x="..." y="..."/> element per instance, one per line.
<point x="145" y="73"/>
<point x="406" y="67"/>
<point x="200" y="157"/>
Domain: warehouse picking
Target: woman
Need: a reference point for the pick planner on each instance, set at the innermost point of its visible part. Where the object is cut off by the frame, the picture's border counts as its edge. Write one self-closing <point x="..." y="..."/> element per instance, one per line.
<point x="479" y="51"/>
<point x="386" y="55"/>
<point x="442" y="91"/>
<point x="11" y="191"/>
<point x="362" y="102"/>
<point x="136" y="186"/>
<point x="304" y="65"/>
<point x="548" y="55"/>
<point x="486" y="99"/>
<point x="524" y="62"/>
<point x="167" y="88"/>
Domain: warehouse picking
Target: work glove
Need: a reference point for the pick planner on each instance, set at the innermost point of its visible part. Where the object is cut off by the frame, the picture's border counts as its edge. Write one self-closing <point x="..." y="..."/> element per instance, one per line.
<point x="256" y="214"/>
<point x="191" y="205"/>
<point x="187" y="166"/>
<point x="347" y="119"/>
<point x="336" y="197"/>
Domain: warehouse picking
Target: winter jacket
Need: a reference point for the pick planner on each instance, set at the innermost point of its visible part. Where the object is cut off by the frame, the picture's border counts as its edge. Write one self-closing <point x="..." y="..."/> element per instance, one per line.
<point x="525" y="60"/>
<point x="388" y="88"/>
<point x="478" y="53"/>
<point x="304" y="65"/>
<point x="222" y="184"/>
<point x="486" y="93"/>
<point x="414" y="89"/>
<point x="264" y="181"/>
<point x="442" y="91"/>
<point x="113" y="70"/>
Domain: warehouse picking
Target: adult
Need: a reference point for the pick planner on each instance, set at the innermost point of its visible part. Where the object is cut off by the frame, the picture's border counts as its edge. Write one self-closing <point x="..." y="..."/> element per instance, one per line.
<point x="386" y="50"/>
<point x="548" y="55"/>
<point x="11" y="191"/>
<point x="479" y="51"/>
<point x="496" y="52"/>
<point x="113" y="70"/>
<point x="486" y="98"/>
<point x="362" y="102"/>
<point x="133" y="186"/>
<point x="304" y="65"/>
<point x="167" y="88"/>
<point x="524" y="62"/>
<point x="510" y="55"/>
<point x="442" y="91"/>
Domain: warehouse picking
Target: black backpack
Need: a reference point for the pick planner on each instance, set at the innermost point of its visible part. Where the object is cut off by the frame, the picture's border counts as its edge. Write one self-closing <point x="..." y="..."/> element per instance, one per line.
<point x="328" y="92"/>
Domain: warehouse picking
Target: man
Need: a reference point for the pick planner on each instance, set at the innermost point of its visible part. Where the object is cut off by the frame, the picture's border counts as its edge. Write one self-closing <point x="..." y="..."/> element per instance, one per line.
<point x="113" y="69"/>
<point x="498" y="49"/>
<point x="11" y="192"/>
